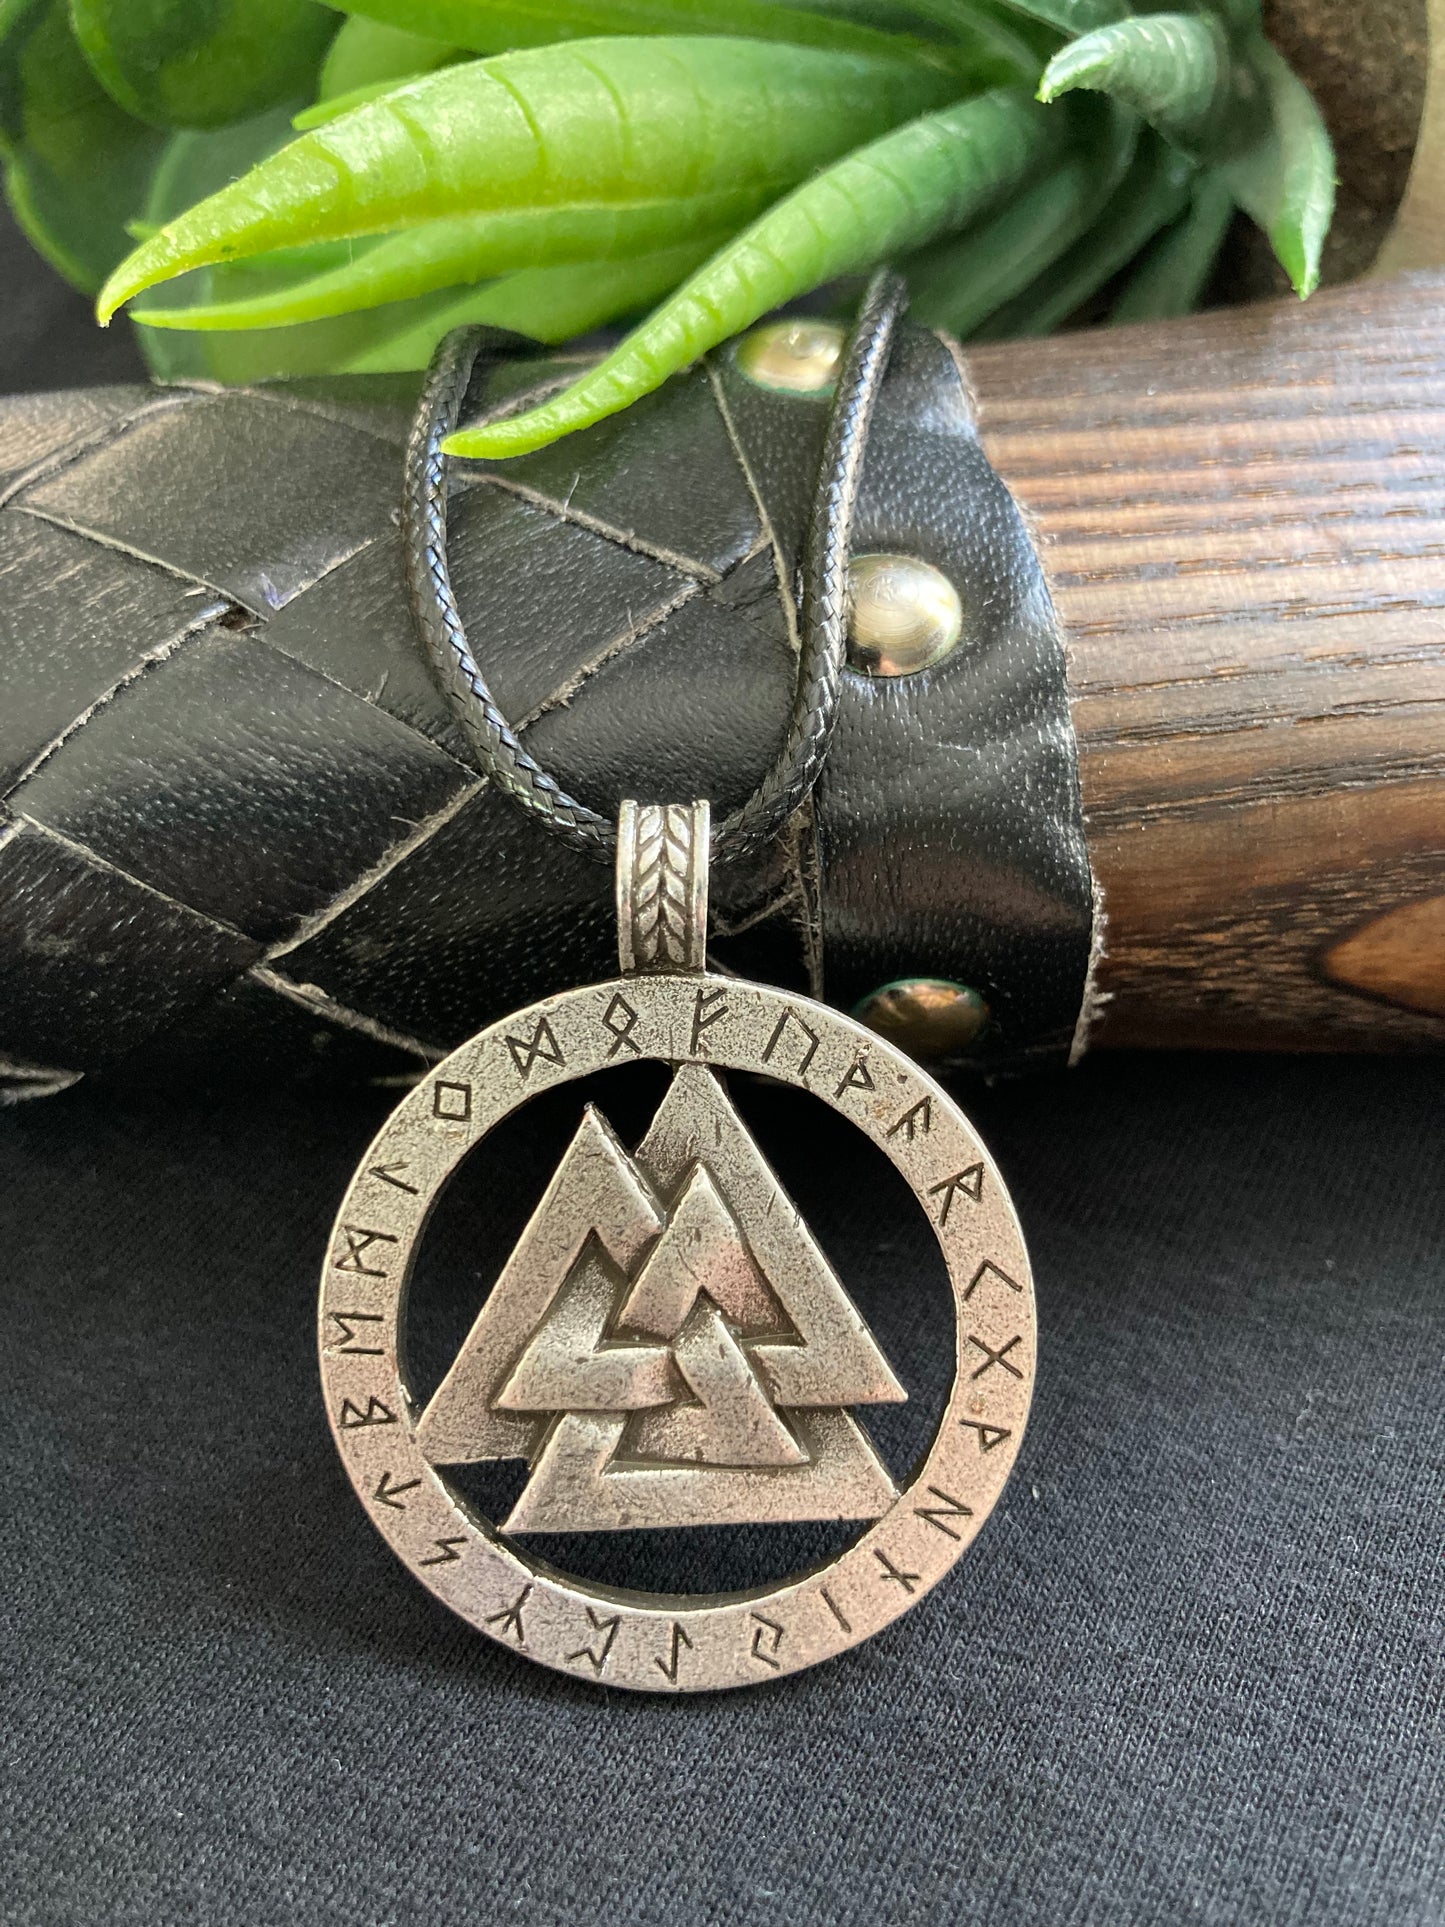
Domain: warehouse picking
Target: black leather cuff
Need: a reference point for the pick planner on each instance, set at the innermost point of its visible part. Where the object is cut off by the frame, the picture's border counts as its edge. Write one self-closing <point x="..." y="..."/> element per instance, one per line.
<point x="241" y="829"/>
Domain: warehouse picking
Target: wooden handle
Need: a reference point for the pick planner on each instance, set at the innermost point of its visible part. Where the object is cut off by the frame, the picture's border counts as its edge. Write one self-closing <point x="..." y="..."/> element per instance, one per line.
<point x="1242" y="517"/>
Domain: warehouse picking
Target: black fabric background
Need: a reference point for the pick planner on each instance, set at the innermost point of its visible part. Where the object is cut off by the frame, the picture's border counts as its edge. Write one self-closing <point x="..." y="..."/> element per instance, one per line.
<point x="1191" y="1671"/>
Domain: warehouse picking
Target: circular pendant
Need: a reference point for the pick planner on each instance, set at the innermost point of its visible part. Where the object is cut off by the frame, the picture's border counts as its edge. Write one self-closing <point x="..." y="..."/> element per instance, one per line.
<point x="667" y="1346"/>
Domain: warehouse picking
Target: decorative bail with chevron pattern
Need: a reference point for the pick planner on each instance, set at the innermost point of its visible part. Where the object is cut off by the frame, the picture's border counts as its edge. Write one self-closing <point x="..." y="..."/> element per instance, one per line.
<point x="662" y="862"/>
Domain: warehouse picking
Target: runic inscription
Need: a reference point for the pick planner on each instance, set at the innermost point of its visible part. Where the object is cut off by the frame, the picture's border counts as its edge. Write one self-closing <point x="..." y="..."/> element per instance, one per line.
<point x="668" y="1667"/>
<point x="970" y="1183"/>
<point x="896" y="1574"/>
<point x="947" y="1509"/>
<point x="916" y="1121"/>
<point x="390" y="1495"/>
<point x="804" y="1035"/>
<point x="991" y="1358"/>
<point x="857" y="1077"/>
<point x="596" y="1654"/>
<point x="509" y="1619"/>
<point x="354" y="1417"/>
<point x="541" y="1044"/>
<point x="988" y="1269"/>
<point x="988" y="1435"/>
<point x="446" y="1553"/>
<point x="358" y="1244"/>
<point x="767" y="1638"/>
<point x="833" y="1607"/>
<point x="388" y="1175"/>
<point x="452" y="1102"/>
<point x="348" y="1321"/>
<point x="621" y="1019"/>
<point x="711" y="1007"/>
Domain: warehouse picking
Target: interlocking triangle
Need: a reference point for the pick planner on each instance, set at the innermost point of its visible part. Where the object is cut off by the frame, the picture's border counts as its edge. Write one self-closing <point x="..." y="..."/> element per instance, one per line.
<point x="667" y="1344"/>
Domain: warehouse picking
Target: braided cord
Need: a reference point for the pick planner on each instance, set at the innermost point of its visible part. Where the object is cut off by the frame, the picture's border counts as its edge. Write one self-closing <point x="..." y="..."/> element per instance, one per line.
<point x="824" y="616"/>
<point x="497" y="746"/>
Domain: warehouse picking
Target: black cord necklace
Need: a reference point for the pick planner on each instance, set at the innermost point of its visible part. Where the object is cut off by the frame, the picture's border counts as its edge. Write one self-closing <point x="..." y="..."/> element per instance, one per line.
<point x="666" y="1345"/>
<point x="498" y="749"/>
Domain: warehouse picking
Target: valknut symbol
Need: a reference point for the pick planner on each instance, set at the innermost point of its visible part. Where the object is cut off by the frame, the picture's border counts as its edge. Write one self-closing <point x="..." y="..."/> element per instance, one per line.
<point x="666" y="1345"/>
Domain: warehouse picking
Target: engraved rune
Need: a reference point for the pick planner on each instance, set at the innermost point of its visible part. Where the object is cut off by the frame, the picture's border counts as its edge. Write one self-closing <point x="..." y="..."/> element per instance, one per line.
<point x="811" y="1051"/>
<point x="348" y="1346"/>
<point x="988" y="1269"/>
<point x="354" y="1417"/>
<point x="542" y="1043"/>
<point x="451" y="1102"/>
<point x="387" y="1174"/>
<point x="940" y="1514"/>
<point x="358" y="1243"/>
<point x="855" y="1078"/>
<point x="711" y="1008"/>
<point x="915" y="1120"/>
<point x="386" y="1492"/>
<point x="509" y="1619"/>
<point x="908" y="1580"/>
<point x="969" y="1182"/>
<point x="767" y="1634"/>
<point x="988" y="1435"/>
<point x="668" y="1667"/>
<point x="621" y="1019"/>
<point x="834" y="1608"/>
<point x="999" y="1357"/>
<point x="596" y="1654"/>
<point x="446" y="1553"/>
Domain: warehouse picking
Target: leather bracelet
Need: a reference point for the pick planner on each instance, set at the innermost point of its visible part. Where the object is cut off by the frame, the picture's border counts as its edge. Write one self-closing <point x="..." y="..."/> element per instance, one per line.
<point x="242" y="829"/>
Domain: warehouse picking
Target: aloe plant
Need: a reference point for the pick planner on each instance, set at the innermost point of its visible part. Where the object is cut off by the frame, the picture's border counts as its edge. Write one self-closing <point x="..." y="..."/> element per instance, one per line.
<point x="282" y="186"/>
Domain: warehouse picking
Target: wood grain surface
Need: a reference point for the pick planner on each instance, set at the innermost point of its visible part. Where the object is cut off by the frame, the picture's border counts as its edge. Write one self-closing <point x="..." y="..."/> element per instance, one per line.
<point x="1242" y="516"/>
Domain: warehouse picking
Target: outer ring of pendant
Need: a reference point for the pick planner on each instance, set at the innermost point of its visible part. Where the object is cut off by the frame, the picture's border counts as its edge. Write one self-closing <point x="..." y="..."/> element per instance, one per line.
<point x="691" y="1642"/>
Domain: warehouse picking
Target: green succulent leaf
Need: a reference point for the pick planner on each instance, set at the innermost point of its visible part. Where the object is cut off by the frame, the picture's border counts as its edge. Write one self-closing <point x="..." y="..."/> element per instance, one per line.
<point x="1173" y="68"/>
<point x="196" y="162"/>
<point x="77" y="167"/>
<point x="958" y="283"/>
<point x="16" y="19"/>
<point x="200" y="161"/>
<point x="365" y="53"/>
<point x="549" y="304"/>
<point x="1073" y="16"/>
<point x="716" y="158"/>
<point x="470" y="248"/>
<point x="1285" y="181"/>
<point x="322" y="112"/>
<point x="1171" y="277"/>
<point x="1007" y="49"/>
<point x="1153" y="193"/>
<point x="599" y="121"/>
<point x="365" y="61"/>
<point x="202" y="63"/>
<point x="492" y="26"/>
<point x="1240" y="16"/>
<point x="891" y="196"/>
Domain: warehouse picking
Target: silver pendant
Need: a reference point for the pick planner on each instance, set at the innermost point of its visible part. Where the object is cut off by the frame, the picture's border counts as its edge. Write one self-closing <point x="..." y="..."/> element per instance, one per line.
<point x="666" y="1345"/>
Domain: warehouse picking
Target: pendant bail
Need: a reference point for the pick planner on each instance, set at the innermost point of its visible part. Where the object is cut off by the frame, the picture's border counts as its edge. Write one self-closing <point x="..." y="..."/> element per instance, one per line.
<point x="662" y="862"/>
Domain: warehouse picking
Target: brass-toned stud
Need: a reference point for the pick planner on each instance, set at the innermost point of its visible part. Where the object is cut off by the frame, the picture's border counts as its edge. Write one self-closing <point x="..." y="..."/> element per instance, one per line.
<point x="903" y="615"/>
<point x="799" y="357"/>
<point x="928" y="1017"/>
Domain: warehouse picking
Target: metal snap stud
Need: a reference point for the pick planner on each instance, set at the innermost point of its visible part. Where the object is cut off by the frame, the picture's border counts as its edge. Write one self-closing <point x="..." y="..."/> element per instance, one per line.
<point x="798" y="356"/>
<point x="903" y="615"/>
<point x="926" y="1016"/>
